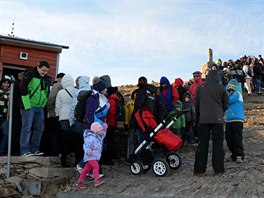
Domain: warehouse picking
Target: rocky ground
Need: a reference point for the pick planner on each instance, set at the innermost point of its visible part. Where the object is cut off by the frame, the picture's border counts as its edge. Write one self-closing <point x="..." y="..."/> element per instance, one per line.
<point x="239" y="180"/>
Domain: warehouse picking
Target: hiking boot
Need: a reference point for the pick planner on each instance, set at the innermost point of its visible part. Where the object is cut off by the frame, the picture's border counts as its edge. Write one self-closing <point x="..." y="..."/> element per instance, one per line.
<point x="27" y="154"/>
<point x="239" y="159"/>
<point x="98" y="181"/>
<point x="78" y="168"/>
<point x="80" y="183"/>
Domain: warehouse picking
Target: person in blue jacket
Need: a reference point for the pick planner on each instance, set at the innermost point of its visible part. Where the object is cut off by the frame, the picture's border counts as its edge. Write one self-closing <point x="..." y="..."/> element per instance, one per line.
<point x="235" y="121"/>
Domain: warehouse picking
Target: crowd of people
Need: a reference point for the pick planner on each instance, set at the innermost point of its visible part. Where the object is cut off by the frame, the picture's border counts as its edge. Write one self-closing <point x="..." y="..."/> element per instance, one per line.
<point x="45" y="119"/>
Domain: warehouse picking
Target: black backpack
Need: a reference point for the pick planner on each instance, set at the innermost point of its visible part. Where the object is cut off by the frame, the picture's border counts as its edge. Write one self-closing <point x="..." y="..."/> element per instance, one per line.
<point x="249" y="72"/>
<point x="79" y="111"/>
<point x="120" y="111"/>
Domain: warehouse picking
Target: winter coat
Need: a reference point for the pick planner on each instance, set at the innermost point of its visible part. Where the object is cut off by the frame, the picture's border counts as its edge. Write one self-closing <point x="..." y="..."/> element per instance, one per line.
<point x="190" y="116"/>
<point x="211" y="100"/>
<point x="178" y="85"/>
<point x="52" y="98"/>
<point x="34" y="89"/>
<point x="63" y="99"/>
<point x="111" y="119"/>
<point x="146" y="97"/>
<point x="129" y="108"/>
<point x="4" y="95"/>
<point x="96" y="109"/>
<point x="235" y="111"/>
<point x="180" y="122"/>
<point x="169" y="94"/>
<point x="195" y="85"/>
<point x="93" y="145"/>
<point x="83" y="85"/>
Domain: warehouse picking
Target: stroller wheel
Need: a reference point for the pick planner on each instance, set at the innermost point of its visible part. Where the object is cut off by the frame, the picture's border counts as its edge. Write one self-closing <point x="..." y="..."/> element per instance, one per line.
<point x="136" y="168"/>
<point x="174" y="160"/>
<point x="160" y="167"/>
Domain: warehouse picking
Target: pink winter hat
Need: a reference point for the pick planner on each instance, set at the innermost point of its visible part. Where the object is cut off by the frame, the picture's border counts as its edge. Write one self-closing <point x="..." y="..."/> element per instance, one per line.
<point x="96" y="126"/>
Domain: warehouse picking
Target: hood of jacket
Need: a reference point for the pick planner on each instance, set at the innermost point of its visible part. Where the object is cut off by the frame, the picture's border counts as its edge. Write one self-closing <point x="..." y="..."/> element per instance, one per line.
<point x="164" y="80"/>
<point x="84" y="83"/>
<point x="213" y="76"/>
<point x="67" y="81"/>
<point x="233" y="84"/>
<point x="148" y="87"/>
<point x="178" y="82"/>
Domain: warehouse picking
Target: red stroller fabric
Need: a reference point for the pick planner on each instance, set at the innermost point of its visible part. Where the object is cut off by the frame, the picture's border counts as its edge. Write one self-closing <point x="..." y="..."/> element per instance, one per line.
<point x="164" y="137"/>
<point x="148" y="117"/>
<point x="167" y="138"/>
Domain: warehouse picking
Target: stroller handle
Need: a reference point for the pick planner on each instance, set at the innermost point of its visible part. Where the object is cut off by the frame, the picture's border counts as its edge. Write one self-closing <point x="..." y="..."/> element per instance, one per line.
<point x="176" y="116"/>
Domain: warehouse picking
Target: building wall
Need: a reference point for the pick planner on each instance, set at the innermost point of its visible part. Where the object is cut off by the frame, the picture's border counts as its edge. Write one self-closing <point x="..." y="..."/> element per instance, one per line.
<point x="10" y="55"/>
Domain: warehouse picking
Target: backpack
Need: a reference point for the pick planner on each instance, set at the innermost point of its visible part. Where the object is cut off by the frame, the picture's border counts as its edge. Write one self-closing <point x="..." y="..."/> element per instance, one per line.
<point x="120" y="105"/>
<point x="161" y="110"/>
<point x="79" y="111"/>
<point x="249" y="72"/>
<point x="120" y="111"/>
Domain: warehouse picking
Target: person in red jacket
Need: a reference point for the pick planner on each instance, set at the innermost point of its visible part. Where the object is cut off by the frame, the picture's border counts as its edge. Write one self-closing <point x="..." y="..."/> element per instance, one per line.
<point x="197" y="81"/>
<point x="111" y="120"/>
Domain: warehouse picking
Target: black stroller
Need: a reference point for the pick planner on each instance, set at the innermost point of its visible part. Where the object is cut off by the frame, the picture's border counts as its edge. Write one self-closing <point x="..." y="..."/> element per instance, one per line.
<point x="158" y="150"/>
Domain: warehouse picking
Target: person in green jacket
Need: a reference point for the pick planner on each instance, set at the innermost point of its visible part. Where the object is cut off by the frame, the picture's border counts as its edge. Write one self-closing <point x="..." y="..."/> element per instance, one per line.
<point x="179" y="125"/>
<point x="34" y="90"/>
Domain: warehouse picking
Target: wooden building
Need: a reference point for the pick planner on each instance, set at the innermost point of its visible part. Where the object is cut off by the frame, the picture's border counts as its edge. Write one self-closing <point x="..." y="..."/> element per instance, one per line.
<point x="18" y="54"/>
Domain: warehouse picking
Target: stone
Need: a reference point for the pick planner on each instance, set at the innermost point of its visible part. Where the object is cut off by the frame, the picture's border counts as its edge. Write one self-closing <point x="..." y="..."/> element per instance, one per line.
<point x="52" y="172"/>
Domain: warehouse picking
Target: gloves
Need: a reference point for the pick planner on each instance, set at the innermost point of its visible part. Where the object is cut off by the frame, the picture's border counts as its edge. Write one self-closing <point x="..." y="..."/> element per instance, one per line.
<point x="105" y="126"/>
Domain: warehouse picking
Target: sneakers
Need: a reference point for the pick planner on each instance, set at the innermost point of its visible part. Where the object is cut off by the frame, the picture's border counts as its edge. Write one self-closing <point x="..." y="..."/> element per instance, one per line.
<point x="80" y="183"/>
<point x="90" y="175"/>
<point x="98" y="181"/>
<point x="239" y="159"/>
<point x="38" y="153"/>
<point x="27" y="154"/>
<point x="78" y="168"/>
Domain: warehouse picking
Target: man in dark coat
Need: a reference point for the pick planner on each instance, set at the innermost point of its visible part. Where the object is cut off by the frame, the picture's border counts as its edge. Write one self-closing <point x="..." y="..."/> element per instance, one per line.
<point x="210" y="104"/>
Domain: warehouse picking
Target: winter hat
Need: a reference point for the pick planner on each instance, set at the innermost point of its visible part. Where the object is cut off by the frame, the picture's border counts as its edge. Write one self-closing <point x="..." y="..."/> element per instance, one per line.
<point x="178" y="105"/>
<point x="107" y="80"/>
<point x="233" y="83"/>
<point x="96" y="126"/>
<point x="98" y="85"/>
<point x="6" y="78"/>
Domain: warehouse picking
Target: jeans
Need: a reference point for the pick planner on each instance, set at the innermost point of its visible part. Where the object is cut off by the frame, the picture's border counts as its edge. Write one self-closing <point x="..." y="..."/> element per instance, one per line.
<point x="258" y="84"/>
<point x="4" y="124"/>
<point x="30" y="141"/>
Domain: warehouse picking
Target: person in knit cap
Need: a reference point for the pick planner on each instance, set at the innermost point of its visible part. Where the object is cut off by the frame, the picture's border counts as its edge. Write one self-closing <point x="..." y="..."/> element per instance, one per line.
<point x="93" y="147"/>
<point x="234" y="122"/>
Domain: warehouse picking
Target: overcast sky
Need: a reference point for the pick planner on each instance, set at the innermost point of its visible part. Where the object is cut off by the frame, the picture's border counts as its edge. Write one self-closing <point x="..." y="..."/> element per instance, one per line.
<point x="129" y="39"/>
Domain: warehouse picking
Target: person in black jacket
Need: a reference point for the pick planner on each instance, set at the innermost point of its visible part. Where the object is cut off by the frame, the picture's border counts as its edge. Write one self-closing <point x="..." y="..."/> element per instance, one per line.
<point x="210" y="104"/>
